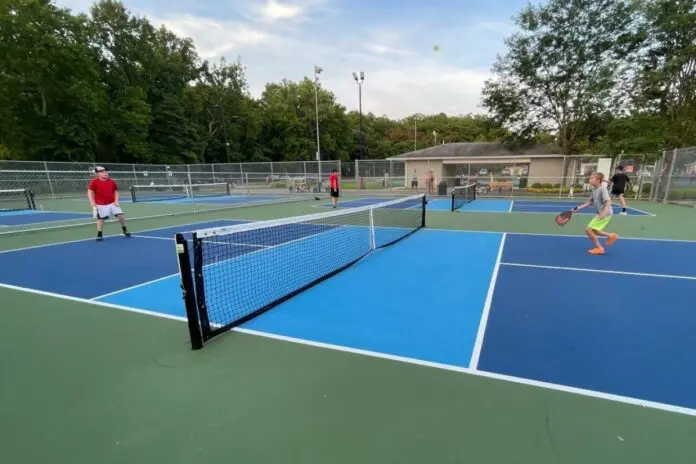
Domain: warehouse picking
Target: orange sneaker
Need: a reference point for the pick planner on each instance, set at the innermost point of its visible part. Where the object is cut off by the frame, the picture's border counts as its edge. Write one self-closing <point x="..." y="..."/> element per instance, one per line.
<point x="596" y="251"/>
<point x="612" y="239"/>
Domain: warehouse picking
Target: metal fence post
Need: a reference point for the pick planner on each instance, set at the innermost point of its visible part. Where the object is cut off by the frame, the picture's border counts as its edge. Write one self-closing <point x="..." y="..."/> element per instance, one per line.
<point x="50" y="184"/>
<point x="669" y="175"/>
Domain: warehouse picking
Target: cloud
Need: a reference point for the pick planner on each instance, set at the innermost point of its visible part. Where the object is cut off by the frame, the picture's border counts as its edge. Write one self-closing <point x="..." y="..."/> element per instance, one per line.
<point x="214" y="38"/>
<point x="399" y="92"/>
<point x="273" y="10"/>
<point x="284" y="39"/>
<point x="382" y="49"/>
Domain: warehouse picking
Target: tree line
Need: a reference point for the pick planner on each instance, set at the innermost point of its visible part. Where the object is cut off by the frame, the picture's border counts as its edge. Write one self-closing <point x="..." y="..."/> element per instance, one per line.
<point x="603" y="75"/>
<point x="587" y="75"/>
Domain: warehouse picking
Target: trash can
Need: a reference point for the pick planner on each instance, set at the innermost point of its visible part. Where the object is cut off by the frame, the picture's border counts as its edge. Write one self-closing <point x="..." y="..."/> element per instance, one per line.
<point x="442" y="188"/>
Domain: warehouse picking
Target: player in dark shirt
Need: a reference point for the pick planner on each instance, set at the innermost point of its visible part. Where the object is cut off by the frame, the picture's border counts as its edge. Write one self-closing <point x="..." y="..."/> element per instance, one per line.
<point x="619" y="182"/>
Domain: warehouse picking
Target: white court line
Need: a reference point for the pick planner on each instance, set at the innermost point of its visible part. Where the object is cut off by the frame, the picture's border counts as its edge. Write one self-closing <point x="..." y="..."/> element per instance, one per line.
<point x="464" y="370"/>
<point x="134" y="286"/>
<point x="603" y="271"/>
<point x="97" y="303"/>
<point x="231" y="207"/>
<point x="119" y="235"/>
<point x="143" y="284"/>
<point x="425" y="229"/>
<point x="478" y="373"/>
<point x="476" y="354"/>
<point x="639" y="210"/>
<point x="154" y="238"/>
<point x="486" y="211"/>
<point x="535" y="234"/>
<point x="512" y="203"/>
<point x="617" y="207"/>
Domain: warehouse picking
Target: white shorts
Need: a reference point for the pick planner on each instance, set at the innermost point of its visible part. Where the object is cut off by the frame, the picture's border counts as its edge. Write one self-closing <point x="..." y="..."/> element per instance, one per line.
<point x="106" y="211"/>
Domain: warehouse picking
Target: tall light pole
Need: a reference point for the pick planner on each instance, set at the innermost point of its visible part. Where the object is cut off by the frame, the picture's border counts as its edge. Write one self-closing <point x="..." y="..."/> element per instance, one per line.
<point x="360" y="82"/>
<point x="317" y="71"/>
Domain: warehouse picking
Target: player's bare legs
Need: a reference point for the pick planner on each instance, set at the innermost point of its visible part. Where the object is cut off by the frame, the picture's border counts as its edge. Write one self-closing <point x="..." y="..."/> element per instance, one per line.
<point x="122" y="220"/>
<point x="622" y="200"/>
<point x="592" y="234"/>
<point x="100" y="230"/>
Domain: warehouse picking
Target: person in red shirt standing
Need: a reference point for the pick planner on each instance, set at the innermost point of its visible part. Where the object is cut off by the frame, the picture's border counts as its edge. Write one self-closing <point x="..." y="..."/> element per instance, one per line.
<point x="333" y="186"/>
<point x="103" y="196"/>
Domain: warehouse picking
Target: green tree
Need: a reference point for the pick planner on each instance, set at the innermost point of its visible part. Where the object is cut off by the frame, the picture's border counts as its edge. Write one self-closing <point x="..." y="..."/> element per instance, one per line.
<point x="289" y="123"/>
<point x="50" y="95"/>
<point x="666" y="84"/>
<point x="562" y="67"/>
<point x="218" y="105"/>
<point x="123" y="42"/>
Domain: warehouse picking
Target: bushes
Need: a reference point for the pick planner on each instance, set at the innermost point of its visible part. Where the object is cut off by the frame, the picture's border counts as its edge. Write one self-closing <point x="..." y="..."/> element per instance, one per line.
<point x="548" y="188"/>
<point x="682" y="194"/>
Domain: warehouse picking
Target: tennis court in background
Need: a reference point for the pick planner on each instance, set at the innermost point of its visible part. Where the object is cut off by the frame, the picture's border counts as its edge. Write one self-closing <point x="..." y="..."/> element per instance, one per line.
<point x="30" y="217"/>
<point x="497" y="205"/>
<point x="532" y="309"/>
<point x="41" y="216"/>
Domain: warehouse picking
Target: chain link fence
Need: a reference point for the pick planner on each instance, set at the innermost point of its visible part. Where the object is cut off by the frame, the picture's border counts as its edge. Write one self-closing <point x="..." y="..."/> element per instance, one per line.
<point x="676" y="177"/>
<point x="672" y="179"/>
<point x="68" y="179"/>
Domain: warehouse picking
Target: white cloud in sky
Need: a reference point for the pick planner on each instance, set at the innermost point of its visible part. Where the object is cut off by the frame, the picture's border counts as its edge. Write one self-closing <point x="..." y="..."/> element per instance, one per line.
<point x="213" y="37"/>
<point x="383" y="49"/>
<point x="273" y="10"/>
<point x="278" y="39"/>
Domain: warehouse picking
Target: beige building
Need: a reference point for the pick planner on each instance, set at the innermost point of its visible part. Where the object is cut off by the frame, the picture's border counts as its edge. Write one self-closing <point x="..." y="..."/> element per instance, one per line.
<point x="494" y="165"/>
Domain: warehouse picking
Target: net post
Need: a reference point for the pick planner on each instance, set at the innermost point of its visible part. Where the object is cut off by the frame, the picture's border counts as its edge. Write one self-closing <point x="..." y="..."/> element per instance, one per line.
<point x="199" y="285"/>
<point x="452" y="206"/>
<point x="424" y="205"/>
<point x="188" y="293"/>
<point x="132" y="189"/>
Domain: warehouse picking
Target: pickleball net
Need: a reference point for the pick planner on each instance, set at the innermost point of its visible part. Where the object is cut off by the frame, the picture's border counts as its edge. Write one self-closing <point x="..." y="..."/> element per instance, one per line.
<point x="162" y="192"/>
<point x="241" y="271"/>
<point x="16" y="200"/>
<point x="463" y="195"/>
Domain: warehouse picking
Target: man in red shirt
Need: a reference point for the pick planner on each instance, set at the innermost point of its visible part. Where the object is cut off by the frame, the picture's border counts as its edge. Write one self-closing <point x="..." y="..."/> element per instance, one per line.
<point x="103" y="196"/>
<point x="333" y="186"/>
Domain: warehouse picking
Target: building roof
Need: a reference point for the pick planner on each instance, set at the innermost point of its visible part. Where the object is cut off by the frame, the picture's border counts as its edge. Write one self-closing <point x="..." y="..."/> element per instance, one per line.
<point x="474" y="149"/>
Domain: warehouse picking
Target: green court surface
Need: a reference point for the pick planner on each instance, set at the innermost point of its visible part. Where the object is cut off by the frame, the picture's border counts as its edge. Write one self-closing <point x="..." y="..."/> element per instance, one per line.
<point x="81" y="383"/>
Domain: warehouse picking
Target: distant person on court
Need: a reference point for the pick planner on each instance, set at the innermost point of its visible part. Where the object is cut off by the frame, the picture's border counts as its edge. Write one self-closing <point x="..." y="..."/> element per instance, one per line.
<point x="618" y="187"/>
<point x="333" y="186"/>
<point x="103" y="196"/>
<point x="602" y="202"/>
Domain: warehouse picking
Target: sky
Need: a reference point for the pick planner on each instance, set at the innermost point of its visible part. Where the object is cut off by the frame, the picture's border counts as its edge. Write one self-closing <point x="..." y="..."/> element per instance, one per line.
<point x="391" y="41"/>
